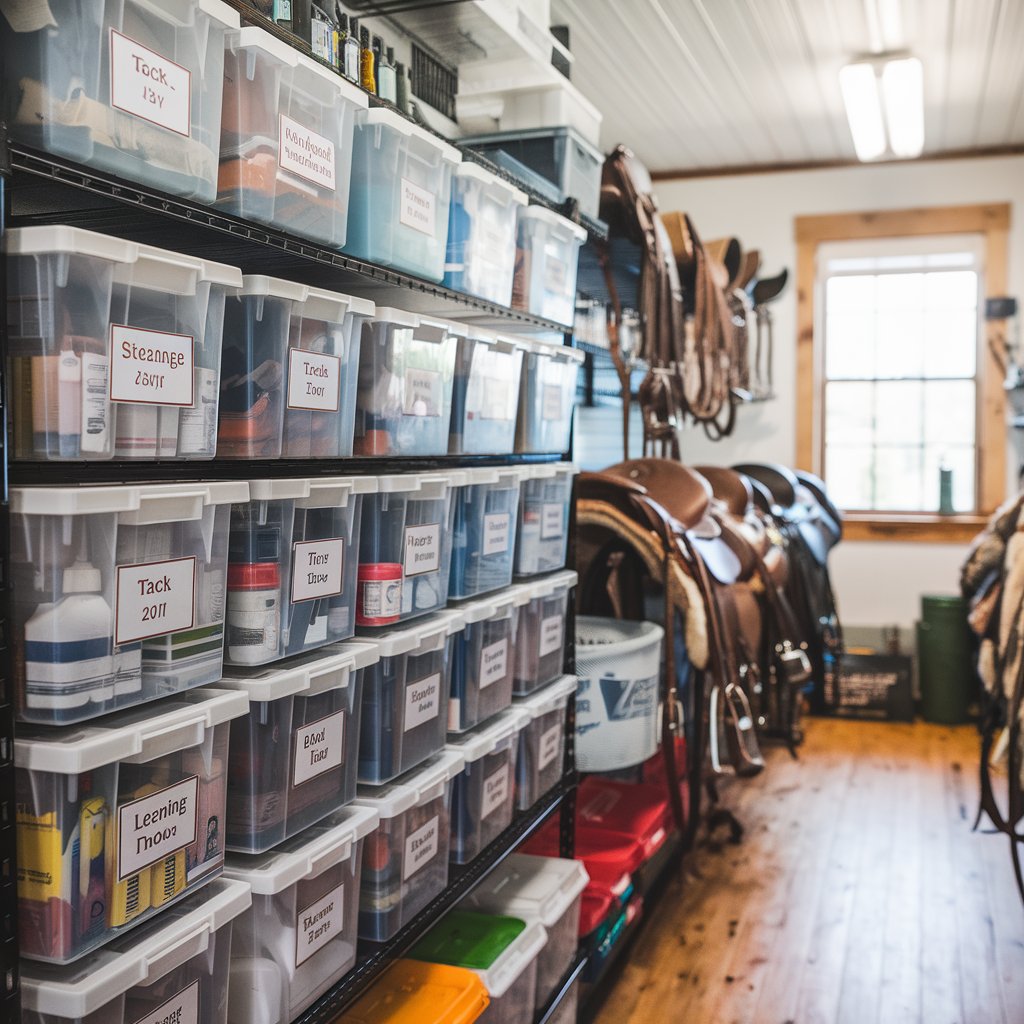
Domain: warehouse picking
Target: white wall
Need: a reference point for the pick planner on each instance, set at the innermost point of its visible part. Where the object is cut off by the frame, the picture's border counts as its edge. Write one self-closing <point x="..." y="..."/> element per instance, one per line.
<point x="876" y="583"/>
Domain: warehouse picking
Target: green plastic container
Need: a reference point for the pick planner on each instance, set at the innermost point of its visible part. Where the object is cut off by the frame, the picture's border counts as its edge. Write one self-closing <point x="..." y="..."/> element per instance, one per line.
<point x="944" y="659"/>
<point x="465" y="939"/>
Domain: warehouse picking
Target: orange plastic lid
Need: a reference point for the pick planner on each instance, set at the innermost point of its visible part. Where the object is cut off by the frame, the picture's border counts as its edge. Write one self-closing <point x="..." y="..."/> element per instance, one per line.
<point x="411" y="992"/>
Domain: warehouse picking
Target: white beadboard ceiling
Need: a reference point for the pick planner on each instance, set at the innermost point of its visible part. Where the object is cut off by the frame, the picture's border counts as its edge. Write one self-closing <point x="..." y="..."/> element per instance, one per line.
<point x="691" y="84"/>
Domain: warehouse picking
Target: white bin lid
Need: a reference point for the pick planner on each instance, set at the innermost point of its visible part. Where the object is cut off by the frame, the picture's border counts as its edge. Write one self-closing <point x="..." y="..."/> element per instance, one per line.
<point x="306" y="855"/>
<point x="255" y="38"/>
<point x="556" y="220"/>
<point x="330" y="668"/>
<point x="397" y="122"/>
<point x="549" y="470"/>
<point x="433" y="485"/>
<point x="487" y="738"/>
<point x="320" y="303"/>
<point x="315" y="492"/>
<point x="145" y="503"/>
<point x="426" y="634"/>
<point x="552" y="350"/>
<point x="513" y="960"/>
<point x="483" y="608"/>
<point x="136" y="736"/>
<point x="535" y="888"/>
<point x="413" y="789"/>
<point x="552" y="697"/>
<point x="545" y="586"/>
<point x="143" y="957"/>
<point x="507" y="476"/>
<point x="403" y="318"/>
<point x="227" y="16"/>
<point x="475" y="172"/>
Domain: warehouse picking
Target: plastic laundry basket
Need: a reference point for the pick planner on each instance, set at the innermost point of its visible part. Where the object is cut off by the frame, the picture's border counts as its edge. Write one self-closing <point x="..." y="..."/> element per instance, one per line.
<point x="617" y="698"/>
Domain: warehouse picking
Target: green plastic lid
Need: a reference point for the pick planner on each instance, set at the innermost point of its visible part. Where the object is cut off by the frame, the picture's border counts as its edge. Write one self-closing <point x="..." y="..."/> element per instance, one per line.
<point x="466" y="939"/>
<point x="948" y="602"/>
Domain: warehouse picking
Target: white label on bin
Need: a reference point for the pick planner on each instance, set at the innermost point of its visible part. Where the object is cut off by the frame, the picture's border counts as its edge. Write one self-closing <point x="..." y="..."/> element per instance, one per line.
<point x="418" y="209"/>
<point x="306" y="154"/>
<point x="148" y="85"/>
<point x="496" y="532"/>
<point x="551" y="521"/>
<point x="318" y="923"/>
<point x="551" y="403"/>
<point x="495" y="404"/>
<point x="154" y="598"/>
<point x="318" y="748"/>
<point x="493" y="663"/>
<point x="151" y="367"/>
<point x="548" y="747"/>
<point x="550" y="634"/>
<point x="556" y="274"/>
<point x="180" y="1009"/>
<point x="421" y="847"/>
<point x="152" y="828"/>
<point x="381" y="599"/>
<point x="422" y="549"/>
<point x="422" y="393"/>
<point x="317" y="569"/>
<point x="314" y="381"/>
<point x="495" y="791"/>
<point x="422" y="701"/>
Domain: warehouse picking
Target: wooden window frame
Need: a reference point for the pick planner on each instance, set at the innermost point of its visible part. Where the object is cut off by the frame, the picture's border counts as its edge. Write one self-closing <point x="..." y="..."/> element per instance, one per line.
<point x="990" y="220"/>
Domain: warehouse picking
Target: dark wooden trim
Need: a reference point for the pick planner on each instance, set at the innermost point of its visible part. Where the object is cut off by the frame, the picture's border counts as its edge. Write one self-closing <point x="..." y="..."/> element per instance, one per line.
<point x="682" y="174"/>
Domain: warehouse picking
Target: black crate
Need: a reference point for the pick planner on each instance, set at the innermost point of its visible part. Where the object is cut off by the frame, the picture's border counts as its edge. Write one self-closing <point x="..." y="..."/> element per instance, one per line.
<point x="876" y="687"/>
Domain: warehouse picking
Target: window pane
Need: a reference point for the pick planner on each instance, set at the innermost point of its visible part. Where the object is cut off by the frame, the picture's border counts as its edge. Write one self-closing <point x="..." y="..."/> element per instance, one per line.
<point x="849" y="412"/>
<point x="949" y="412"/>
<point x="955" y="289"/>
<point x="960" y="460"/>
<point x="854" y="292"/>
<point x="899" y="412"/>
<point x="898" y="478"/>
<point x="900" y="291"/>
<point x="850" y="346"/>
<point x="951" y="340"/>
<point x="849" y="474"/>
<point x="900" y="343"/>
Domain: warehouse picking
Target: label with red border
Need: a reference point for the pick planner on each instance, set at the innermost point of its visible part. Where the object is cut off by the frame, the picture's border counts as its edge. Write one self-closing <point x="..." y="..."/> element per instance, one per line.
<point x="307" y="154"/>
<point x="314" y="381"/>
<point x="550" y="740"/>
<point x="318" y="923"/>
<point x="317" y="569"/>
<point x="182" y="1008"/>
<point x="157" y="825"/>
<point x="154" y="599"/>
<point x="151" y="367"/>
<point x="319" y="747"/>
<point x="145" y="83"/>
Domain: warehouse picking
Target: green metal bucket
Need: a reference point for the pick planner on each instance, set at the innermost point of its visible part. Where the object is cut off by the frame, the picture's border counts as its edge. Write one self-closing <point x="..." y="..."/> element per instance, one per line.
<point x="944" y="659"/>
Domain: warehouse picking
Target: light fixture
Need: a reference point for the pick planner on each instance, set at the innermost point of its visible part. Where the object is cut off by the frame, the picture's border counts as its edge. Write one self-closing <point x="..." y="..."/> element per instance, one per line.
<point x="893" y="84"/>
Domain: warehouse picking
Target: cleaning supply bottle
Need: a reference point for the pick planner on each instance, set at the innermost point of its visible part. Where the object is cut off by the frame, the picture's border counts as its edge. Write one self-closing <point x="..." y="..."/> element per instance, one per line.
<point x="350" y="55"/>
<point x="367" y="75"/>
<point x="69" y="644"/>
<point x="387" y="84"/>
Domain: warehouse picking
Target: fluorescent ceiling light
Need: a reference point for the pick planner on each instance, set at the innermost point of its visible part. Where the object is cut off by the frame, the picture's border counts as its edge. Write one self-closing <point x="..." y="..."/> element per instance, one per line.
<point x="863" y="109"/>
<point x="903" y="93"/>
<point x="897" y="84"/>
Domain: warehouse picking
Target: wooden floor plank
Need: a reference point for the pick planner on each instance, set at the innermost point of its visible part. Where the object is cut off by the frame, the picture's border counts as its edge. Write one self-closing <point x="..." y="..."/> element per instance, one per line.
<point x="858" y="894"/>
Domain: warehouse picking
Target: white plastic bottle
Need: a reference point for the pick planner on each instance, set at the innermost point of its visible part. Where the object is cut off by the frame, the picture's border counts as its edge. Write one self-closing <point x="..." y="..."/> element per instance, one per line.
<point x="69" y="645"/>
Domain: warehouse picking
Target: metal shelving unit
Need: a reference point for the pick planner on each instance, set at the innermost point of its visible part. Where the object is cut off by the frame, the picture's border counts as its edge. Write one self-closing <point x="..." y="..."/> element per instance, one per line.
<point x="37" y="189"/>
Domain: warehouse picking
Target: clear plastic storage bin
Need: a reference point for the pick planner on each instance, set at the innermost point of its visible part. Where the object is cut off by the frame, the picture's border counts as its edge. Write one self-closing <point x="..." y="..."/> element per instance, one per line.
<point x="292" y="567"/>
<point x="294" y="756"/>
<point x="483" y="795"/>
<point x="485" y="397"/>
<point x="503" y="952"/>
<point x="547" y="255"/>
<point x="405" y="699"/>
<point x="286" y="139"/>
<point x="128" y="86"/>
<point x="401" y="189"/>
<point x="545" y="497"/>
<point x="174" y="969"/>
<point x="544" y="889"/>
<point x="299" y="937"/>
<point x="410" y="992"/>
<point x="288" y="386"/>
<point x="482" y="234"/>
<point x="484" y="538"/>
<point x="542" y="742"/>
<point x="117" y="819"/>
<point x="113" y="347"/>
<point x="405" y="863"/>
<point x="547" y="398"/>
<point x="481" y="661"/>
<point x="406" y="375"/>
<point x="540" y="630"/>
<point x="405" y="548"/>
<point x="118" y="594"/>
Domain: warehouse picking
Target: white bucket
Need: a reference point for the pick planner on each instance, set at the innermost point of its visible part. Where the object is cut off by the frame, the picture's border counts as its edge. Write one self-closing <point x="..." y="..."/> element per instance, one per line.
<point x="618" y="665"/>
